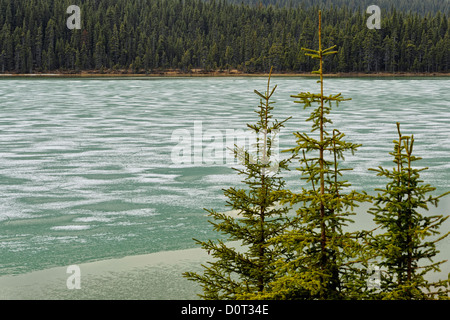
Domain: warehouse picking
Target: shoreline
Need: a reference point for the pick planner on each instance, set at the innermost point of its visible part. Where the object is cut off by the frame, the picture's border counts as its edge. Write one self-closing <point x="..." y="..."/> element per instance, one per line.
<point x="201" y="73"/>
<point x="152" y="276"/>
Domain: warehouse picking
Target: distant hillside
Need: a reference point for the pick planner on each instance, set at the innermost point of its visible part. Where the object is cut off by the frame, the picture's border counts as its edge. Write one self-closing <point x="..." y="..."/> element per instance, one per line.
<point x="140" y="36"/>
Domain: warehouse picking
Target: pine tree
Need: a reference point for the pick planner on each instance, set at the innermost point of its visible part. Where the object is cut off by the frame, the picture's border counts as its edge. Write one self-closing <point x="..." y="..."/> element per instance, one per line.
<point x="321" y="258"/>
<point x="114" y="46"/>
<point x="38" y="48"/>
<point x="405" y="243"/>
<point x="237" y="273"/>
<point x="50" y="45"/>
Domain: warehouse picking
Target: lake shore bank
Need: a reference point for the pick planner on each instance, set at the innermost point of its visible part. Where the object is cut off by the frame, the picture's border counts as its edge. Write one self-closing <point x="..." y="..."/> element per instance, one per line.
<point x="227" y="73"/>
<point x="153" y="276"/>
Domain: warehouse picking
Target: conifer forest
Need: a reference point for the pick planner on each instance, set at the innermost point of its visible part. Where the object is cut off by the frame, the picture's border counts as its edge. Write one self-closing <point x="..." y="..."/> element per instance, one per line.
<point x="141" y="36"/>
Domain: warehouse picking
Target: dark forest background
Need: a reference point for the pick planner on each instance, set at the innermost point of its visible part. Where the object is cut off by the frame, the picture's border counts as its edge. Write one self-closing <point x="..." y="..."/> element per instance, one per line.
<point x="155" y="35"/>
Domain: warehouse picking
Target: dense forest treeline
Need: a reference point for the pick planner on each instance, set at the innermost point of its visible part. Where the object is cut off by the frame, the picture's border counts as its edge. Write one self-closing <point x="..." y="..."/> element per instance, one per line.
<point x="154" y="35"/>
<point x="416" y="6"/>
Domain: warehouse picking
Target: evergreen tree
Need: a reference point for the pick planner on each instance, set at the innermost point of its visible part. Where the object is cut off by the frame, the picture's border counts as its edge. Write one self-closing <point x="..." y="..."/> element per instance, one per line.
<point x="50" y="45"/>
<point x="237" y="273"/>
<point x="321" y="258"/>
<point x="405" y="243"/>
<point x="114" y="46"/>
<point x="38" y="47"/>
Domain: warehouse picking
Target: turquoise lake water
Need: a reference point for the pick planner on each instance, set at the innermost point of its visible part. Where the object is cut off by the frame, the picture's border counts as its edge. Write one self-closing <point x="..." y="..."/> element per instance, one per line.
<point x="87" y="168"/>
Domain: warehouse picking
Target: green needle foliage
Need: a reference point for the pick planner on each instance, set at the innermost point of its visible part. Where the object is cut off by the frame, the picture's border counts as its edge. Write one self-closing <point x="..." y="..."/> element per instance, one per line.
<point x="321" y="257"/>
<point x="311" y="253"/>
<point x="236" y="273"/>
<point x="405" y="245"/>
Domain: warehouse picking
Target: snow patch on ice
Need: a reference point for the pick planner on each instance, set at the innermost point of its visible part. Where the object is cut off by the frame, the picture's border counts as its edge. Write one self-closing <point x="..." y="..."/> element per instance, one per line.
<point x="71" y="227"/>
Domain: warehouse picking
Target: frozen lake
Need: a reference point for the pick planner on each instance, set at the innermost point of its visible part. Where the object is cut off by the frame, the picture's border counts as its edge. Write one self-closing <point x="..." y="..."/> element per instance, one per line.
<point x="87" y="168"/>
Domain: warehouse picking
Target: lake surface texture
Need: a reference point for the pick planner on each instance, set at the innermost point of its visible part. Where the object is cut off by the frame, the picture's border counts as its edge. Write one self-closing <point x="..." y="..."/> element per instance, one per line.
<point x="92" y="169"/>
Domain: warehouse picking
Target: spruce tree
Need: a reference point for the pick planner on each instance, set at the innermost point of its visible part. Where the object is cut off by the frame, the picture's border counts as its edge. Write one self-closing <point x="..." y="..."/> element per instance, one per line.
<point x="322" y="259"/>
<point x="238" y="272"/>
<point x="408" y="238"/>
